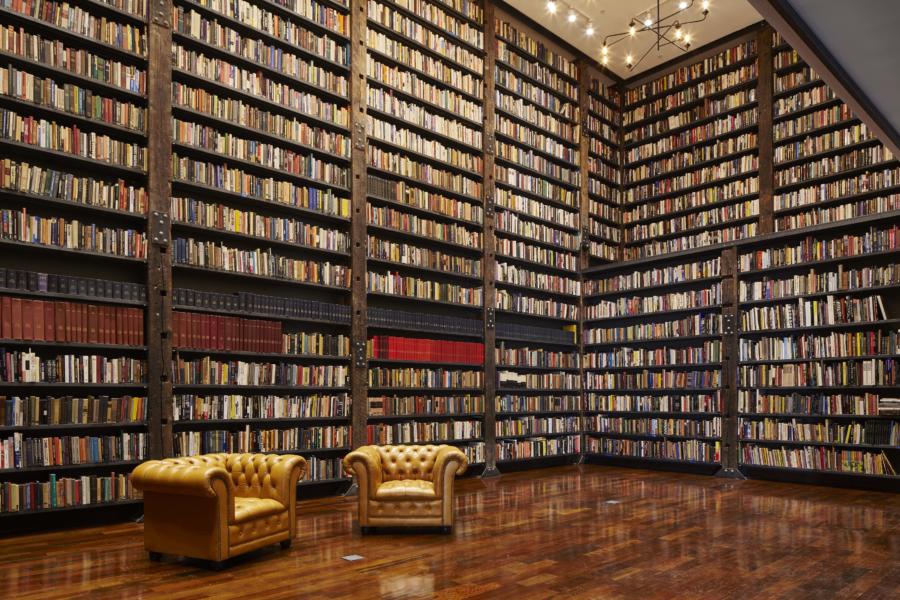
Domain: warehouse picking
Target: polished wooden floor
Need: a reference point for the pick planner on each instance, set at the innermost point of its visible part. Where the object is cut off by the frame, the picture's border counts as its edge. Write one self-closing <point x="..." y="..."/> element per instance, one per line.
<point x="567" y="532"/>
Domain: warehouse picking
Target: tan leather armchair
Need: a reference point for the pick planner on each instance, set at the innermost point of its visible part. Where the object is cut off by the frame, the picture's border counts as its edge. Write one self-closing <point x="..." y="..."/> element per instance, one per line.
<point x="405" y="486"/>
<point x="216" y="506"/>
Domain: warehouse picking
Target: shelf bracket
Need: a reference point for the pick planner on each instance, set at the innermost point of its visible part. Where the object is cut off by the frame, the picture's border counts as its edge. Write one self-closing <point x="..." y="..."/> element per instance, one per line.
<point x="585" y="238"/>
<point x="161" y="14"/>
<point x="489" y="206"/>
<point x="490" y="318"/>
<point x="359" y="136"/>
<point x="728" y="324"/>
<point x="160" y="226"/>
<point x="359" y="354"/>
<point x="489" y="143"/>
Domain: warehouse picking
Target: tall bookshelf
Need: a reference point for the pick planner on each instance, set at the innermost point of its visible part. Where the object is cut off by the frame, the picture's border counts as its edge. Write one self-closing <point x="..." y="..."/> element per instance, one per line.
<point x="74" y="206"/>
<point x="537" y="179"/>
<point x="260" y="215"/>
<point x="425" y="179"/>
<point x="603" y="130"/>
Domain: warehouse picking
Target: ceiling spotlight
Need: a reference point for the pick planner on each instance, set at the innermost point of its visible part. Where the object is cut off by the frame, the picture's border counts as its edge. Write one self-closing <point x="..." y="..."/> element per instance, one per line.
<point x="705" y="4"/>
<point x="687" y="38"/>
<point x="648" y="21"/>
<point x="678" y="32"/>
<point x="551" y="7"/>
<point x="629" y="61"/>
<point x="682" y="5"/>
<point x="631" y="29"/>
<point x="604" y="50"/>
<point x="589" y="31"/>
<point x="572" y="16"/>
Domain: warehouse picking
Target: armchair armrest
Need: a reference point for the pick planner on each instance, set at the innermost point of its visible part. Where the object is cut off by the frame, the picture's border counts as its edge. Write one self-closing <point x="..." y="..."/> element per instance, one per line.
<point x="169" y="477"/>
<point x="365" y="463"/>
<point x="286" y="470"/>
<point x="449" y="461"/>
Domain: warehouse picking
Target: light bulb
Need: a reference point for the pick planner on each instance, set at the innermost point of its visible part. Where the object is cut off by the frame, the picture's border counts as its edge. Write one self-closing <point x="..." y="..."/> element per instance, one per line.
<point x="631" y="30"/>
<point x="705" y="4"/>
<point x="604" y="50"/>
<point x="678" y="32"/>
<point x="682" y="5"/>
<point x="551" y="7"/>
<point x="589" y="31"/>
<point x="605" y="60"/>
<point x="629" y="59"/>
<point x="572" y="16"/>
<point x="687" y="38"/>
<point x="648" y="22"/>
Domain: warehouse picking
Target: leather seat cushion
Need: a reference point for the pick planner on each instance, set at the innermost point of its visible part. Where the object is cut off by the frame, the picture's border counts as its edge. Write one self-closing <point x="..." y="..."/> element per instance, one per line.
<point x="248" y="509"/>
<point x="406" y="489"/>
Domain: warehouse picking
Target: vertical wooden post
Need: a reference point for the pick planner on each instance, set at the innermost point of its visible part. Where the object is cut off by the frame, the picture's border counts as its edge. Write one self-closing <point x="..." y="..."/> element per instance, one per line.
<point x="488" y="256"/>
<point x="159" y="230"/>
<point x="359" y="375"/>
<point x="765" y="100"/>
<point x="730" y="449"/>
<point x="584" y="222"/>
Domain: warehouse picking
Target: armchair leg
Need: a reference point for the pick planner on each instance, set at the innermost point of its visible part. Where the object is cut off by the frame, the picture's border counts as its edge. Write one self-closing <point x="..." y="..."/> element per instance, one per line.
<point x="365" y="530"/>
<point x="285" y="544"/>
<point x="217" y="565"/>
<point x="446" y="529"/>
<point x="155" y="556"/>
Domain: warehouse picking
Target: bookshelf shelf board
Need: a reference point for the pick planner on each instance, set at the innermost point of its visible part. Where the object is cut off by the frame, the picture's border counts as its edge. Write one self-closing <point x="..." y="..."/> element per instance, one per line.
<point x="610" y="162"/>
<point x="57" y="509"/>
<point x="529" y="340"/>
<point x="826" y="153"/>
<point x="31" y="199"/>
<point x="257" y="201"/>
<point x="528" y="368"/>
<point x="508" y="461"/>
<point x="534" y="290"/>
<point x="236" y="60"/>
<point x="654" y="459"/>
<point x="452" y="441"/>
<point x="414" y="44"/>
<point x="804" y="110"/>
<point x="331" y="481"/>
<point x="842" y="445"/>
<point x="259" y="386"/>
<point x="258" y="134"/>
<point x="384" y="57"/>
<point x="264" y="170"/>
<point x="249" y="30"/>
<point x="424" y="417"/>
<point x="663" y="340"/>
<point x="673" y="367"/>
<point x="816" y="360"/>
<point x="806" y="266"/>
<point x="305" y="22"/>
<point x="692" y="167"/>
<point x="427" y="391"/>
<point x="244" y="237"/>
<point x="537" y="391"/>
<point x="20" y="385"/>
<point x="503" y="311"/>
<point x="82" y="466"/>
<point x="278" y="355"/>
<point x="528" y="436"/>
<point x="828" y="472"/>
<point x="530" y="240"/>
<point x="442" y="7"/>
<point x="309" y="450"/>
<point x="796" y="89"/>
<point x="693" y="82"/>
<point x="410" y="96"/>
<point x="783" y="70"/>
<point x="600" y="218"/>
<point x="693" y="209"/>
<point x="423" y="184"/>
<point x="603" y="140"/>
<point x="692" y="230"/>
<point x="280" y="280"/>
<point x="805" y="328"/>
<point x="34" y="66"/>
<point x="428" y="363"/>
<point x="536" y="413"/>
<point x="752" y="415"/>
<point x="657" y="391"/>
<point x="814" y="132"/>
<point x="838" y="200"/>
<point x="693" y="188"/>
<point x="72" y="427"/>
<point x="70" y="297"/>
<point x="429" y="132"/>
<point x="536" y="265"/>
<point x="691" y="416"/>
<point x="424" y="238"/>
<point x="85" y="254"/>
<point x="399" y="266"/>
<point x="651" y="436"/>
<point x="600" y="238"/>
<point x="597" y="115"/>
<point x="113" y="11"/>
<point x="396" y="297"/>
<point x="259" y="315"/>
<point x="21" y="149"/>
<point x="79" y="120"/>
<point x="709" y="141"/>
<point x="508" y="114"/>
<point x="514" y="47"/>
<point x="535" y="196"/>
<point x="843" y="174"/>
<point x="560" y="116"/>
<point x="425" y="212"/>
<point x="658" y="313"/>
<point x="815" y="388"/>
<point x="67" y="35"/>
<point x="179" y="424"/>
<point x="73" y="345"/>
<point x="604" y="180"/>
<point x="547" y="88"/>
<point x="542" y="221"/>
<point x="685" y="106"/>
<point x="424" y="158"/>
<point x="437" y="333"/>
<point x="510" y="139"/>
<point x="512" y="164"/>
<point x="220" y="88"/>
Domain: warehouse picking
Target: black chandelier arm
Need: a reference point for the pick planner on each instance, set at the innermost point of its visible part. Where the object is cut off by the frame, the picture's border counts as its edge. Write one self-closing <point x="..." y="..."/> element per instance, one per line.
<point x="643" y="56"/>
<point x="659" y="18"/>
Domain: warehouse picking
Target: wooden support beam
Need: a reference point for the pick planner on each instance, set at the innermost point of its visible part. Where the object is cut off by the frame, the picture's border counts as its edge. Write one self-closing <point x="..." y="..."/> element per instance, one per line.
<point x="765" y="100"/>
<point x="584" y="221"/>
<point x="729" y="402"/>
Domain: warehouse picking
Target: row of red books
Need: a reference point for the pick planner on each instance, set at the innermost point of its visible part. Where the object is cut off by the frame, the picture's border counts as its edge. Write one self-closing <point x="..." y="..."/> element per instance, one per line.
<point x="74" y="322"/>
<point x="400" y="348"/>
<point x="219" y="332"/>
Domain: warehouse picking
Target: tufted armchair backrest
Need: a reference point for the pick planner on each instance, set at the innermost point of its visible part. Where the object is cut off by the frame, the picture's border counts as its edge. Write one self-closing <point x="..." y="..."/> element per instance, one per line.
<point x="407" y="462"/>
<point x="250" y="473"/>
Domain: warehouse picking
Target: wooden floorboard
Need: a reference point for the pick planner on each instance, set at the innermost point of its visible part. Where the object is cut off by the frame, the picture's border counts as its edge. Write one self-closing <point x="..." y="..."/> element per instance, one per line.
<point x="567" y="532"/>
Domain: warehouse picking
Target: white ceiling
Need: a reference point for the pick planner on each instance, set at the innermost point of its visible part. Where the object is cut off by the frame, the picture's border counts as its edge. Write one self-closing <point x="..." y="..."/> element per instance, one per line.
<point x="613" y="16"/>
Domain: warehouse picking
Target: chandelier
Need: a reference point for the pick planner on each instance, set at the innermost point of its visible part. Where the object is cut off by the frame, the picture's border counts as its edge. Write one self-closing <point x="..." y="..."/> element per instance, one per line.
<point x="662" y="29"/>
